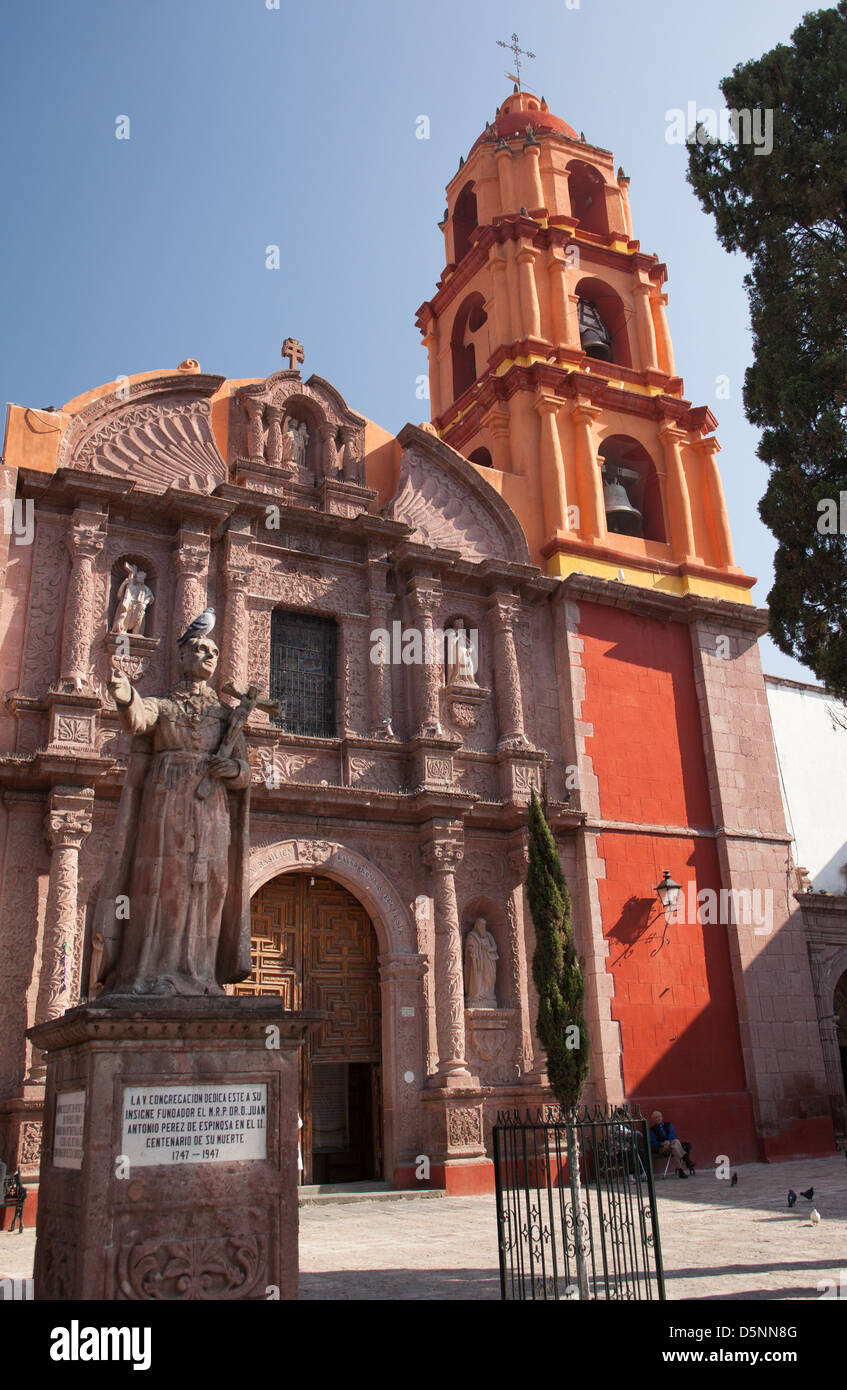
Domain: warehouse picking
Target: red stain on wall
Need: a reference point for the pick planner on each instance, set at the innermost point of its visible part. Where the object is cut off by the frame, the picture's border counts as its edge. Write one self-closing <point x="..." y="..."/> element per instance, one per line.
<point x="674" y="993"/>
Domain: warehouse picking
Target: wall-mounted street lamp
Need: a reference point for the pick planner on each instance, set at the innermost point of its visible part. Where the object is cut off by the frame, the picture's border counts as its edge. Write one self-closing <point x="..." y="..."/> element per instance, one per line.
<point x="668" y="892"/>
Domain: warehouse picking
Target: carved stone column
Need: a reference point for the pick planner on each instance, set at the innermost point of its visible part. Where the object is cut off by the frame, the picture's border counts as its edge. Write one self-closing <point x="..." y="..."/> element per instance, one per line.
<point x="503" y="613"/>
<point x="660" y="319"/>
<point x="679" y="500"/>
<point x="237" y="573"/>
<point x="192" y="577"/>
<point x="529" y="1057"/>
<point x="274" y="445"/>
<point x="329" y="454"/>
<point x="423" y="598"/>
<point x="67" y="824"/>
<point x="85" y="541"/>
<point x="564" y="321"/>
<point x="442" y="856"/>
<point x="255" y="429"/>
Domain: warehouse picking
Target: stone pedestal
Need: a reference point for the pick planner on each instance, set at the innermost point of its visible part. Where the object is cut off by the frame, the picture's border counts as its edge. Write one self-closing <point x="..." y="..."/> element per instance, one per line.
<point x="169" y="1155"/>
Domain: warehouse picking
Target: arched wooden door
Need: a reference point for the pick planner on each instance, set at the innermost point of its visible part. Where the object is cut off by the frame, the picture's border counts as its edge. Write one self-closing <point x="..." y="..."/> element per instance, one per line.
<point x="314" y="945"/>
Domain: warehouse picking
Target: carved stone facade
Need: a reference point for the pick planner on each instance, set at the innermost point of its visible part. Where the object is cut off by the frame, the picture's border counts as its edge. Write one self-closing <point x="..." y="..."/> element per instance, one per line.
<point x="271" y="496"/>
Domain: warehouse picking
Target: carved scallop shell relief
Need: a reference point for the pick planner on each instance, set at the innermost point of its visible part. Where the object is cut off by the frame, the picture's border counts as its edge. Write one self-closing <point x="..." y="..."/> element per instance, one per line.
<point x="158" y="444"/>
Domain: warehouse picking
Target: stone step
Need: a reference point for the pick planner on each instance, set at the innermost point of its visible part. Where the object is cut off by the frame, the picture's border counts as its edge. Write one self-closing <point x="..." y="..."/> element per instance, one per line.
<point x="319" y="1194"/>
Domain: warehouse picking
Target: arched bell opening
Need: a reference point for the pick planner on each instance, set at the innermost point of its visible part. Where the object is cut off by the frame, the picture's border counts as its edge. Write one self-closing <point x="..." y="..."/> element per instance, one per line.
<point x="470" y="319"/>
<point x="482" y="457"/>
<point x="602" y="322"/>
<point x="315" y="947"/>
<point x="465" y="221"/>
<point x="588" y="197"/>
<point x="631" y="490"/>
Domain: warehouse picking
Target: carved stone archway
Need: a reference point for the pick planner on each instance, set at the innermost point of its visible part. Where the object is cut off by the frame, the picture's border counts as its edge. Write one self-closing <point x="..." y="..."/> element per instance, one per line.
<point x="402" y="970"/>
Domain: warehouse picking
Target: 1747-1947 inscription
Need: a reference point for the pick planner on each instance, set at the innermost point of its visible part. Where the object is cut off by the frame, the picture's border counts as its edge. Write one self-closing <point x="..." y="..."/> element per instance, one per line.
<point x="194" y="1123"/>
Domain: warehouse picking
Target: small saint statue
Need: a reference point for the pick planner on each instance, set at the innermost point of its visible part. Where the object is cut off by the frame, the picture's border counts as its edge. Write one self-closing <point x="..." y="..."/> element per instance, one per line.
<point x="461" y="663"/>
<point x="481" y="956"/>
<point x="294" y="443"/>
<point x="173" y="913"/>
<point x="134" y="598"/>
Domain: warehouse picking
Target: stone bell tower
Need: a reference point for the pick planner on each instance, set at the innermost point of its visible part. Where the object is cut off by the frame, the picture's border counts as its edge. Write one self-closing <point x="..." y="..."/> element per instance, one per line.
<point x="551" y="364"/>
<point x="551" y="370"/>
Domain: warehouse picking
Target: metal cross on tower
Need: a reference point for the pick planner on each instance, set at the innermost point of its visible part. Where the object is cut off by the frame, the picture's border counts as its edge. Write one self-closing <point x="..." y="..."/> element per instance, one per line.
<point x="516" y="50"/>
<point x="293" y="351"/>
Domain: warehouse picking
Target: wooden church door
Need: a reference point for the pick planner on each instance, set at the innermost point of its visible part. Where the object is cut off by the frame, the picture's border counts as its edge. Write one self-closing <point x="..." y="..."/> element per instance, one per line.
<point x="313" y="944"/>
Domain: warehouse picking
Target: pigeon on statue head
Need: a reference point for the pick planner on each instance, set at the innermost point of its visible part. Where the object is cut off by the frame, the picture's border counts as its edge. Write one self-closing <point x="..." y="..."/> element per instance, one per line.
<point x="201" y="627"/>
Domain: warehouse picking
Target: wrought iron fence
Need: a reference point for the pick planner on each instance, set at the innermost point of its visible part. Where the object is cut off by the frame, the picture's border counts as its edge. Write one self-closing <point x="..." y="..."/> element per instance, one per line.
<point x="576" y="1206"/>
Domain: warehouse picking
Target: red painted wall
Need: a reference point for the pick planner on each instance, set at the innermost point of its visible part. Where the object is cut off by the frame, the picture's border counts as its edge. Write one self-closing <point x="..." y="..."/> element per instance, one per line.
<point x="674" y="994"/>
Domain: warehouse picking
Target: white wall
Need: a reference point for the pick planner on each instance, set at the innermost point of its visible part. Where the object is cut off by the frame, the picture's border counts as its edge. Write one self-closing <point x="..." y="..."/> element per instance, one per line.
<point x="812" y="756"/>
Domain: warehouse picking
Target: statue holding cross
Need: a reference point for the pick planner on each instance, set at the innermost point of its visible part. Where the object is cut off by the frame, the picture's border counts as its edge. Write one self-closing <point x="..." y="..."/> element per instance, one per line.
<point x="173" y="913"/>
<point x="294" y="351"/>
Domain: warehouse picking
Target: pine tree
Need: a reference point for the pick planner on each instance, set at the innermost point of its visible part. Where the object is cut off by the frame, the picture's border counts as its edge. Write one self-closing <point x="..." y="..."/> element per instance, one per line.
<point x="555" y="967"/>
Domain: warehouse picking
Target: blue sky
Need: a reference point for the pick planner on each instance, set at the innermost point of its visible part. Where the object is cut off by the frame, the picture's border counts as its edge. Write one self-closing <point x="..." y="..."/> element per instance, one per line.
<point x="252" y="126"/>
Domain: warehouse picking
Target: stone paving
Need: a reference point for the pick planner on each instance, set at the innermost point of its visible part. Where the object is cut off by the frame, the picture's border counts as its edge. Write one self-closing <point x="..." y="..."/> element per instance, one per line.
<point x="718" y="1242"/>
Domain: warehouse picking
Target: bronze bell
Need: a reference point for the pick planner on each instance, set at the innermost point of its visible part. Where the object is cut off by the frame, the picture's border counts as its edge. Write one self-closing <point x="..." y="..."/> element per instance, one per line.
<point x="594" y="336"/>
<point x="621" y="516"/>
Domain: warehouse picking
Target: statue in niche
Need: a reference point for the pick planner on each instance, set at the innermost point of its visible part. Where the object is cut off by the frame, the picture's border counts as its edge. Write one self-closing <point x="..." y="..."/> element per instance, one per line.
<point x="481" y="957"/>
<point x="173" y="913"/>
<point x="294" y="443"/>
<point x="460" y="656"/>
<point x="134" y="598"/>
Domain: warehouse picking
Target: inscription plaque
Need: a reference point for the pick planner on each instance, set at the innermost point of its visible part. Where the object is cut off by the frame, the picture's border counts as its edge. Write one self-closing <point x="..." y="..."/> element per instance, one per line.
<point x="67" y="1135"/>
<point x="217" y="1122"/>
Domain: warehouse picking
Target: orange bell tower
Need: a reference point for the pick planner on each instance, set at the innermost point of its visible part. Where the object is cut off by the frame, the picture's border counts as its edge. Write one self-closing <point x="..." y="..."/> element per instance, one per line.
<point x="551" y="366"/>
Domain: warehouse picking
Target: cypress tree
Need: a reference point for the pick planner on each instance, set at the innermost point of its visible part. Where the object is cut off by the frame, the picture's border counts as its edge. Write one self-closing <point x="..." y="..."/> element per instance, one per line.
<point x="555" y="967"/>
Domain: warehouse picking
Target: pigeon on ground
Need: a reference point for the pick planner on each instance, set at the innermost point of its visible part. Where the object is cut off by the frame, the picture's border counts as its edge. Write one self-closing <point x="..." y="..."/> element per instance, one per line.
<point x="792" y="1196"/>
<point x="734" y="1182"/>
<point x="808" y="1194"/>
<point x="814" y="1216"/>
<point x="201" y="627"/>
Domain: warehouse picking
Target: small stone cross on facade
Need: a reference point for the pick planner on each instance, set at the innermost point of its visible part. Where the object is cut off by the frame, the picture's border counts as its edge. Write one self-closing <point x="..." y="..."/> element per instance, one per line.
<point x="294" y="351"/>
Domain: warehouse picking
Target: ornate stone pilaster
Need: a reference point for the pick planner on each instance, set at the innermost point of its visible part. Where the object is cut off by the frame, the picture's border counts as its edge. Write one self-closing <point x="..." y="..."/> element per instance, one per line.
<point x="379" y="672"/>
<point x="442" y="856"/>
<point x="67" y="824"/>
<point x="192" y="577"/>
<point x="85" y="541"/>
<point x="423" y="599"/>
<point x="255" y="428"/>
<point x="273" y="452"/>
<point x="529" y="1056"/>
<point x="329" y="453"/>
<point x="234" y="646"/>
<point x="503" y="613"/>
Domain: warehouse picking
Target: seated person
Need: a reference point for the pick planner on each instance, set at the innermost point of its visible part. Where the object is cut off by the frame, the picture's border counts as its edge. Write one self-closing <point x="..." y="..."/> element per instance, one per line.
<point x="663" y="1140"/>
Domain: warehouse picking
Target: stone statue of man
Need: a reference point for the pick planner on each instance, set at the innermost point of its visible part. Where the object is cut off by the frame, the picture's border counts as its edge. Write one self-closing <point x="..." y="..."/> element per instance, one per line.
<point x="481" y="956"/>
<point x="134" y="598"/>
<point x="174" y="910"/>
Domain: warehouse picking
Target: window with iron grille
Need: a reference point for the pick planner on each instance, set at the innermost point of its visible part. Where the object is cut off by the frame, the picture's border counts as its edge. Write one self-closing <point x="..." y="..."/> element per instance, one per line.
<point x="302" y="678"/>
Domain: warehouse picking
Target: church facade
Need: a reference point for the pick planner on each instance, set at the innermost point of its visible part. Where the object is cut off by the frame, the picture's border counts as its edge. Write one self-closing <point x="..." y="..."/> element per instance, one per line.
<point x="536" y="589"/>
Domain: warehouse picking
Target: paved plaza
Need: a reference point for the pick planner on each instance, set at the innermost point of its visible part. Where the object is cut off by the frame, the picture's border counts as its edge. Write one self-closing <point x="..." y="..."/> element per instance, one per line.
<point x="718" y="1242"/>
